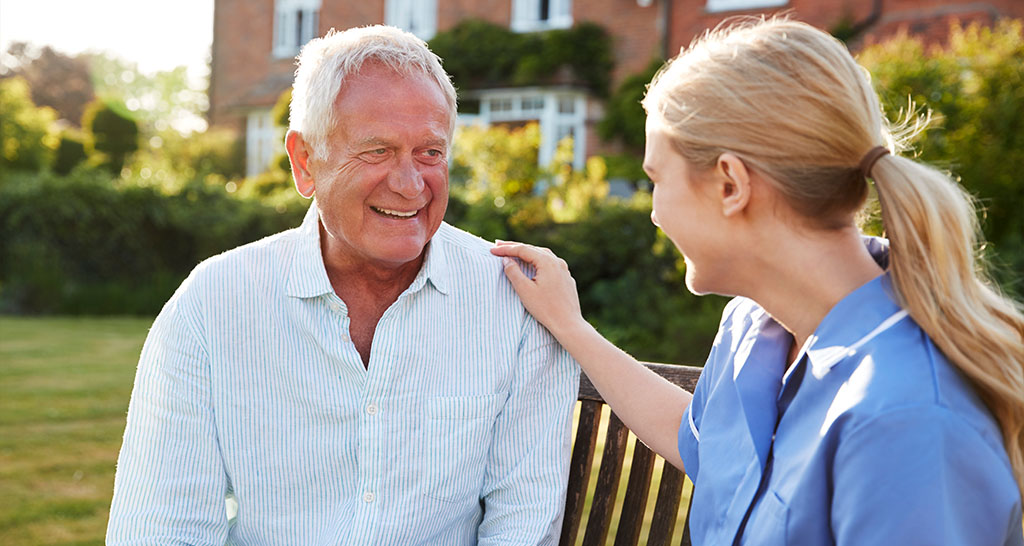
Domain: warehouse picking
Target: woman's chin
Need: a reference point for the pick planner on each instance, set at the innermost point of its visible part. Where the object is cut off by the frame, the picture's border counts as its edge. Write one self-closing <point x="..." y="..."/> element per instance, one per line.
<point x="693" y="282"/>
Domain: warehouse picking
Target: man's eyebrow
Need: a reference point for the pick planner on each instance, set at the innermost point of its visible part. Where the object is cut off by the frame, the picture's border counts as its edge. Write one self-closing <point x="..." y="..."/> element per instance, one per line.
<point x="439" y="142"/>
<point x="373" y="141"/>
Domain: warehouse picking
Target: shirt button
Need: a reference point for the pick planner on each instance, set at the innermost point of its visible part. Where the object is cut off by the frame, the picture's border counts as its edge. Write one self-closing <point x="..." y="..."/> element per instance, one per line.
<point x="368" y="497"/>
<point x="335" y="306"/>
<point x="371" y="409"/>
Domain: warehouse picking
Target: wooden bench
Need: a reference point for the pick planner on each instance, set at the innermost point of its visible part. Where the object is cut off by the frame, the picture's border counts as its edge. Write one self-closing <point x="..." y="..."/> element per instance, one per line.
<point x="634" y="507"/>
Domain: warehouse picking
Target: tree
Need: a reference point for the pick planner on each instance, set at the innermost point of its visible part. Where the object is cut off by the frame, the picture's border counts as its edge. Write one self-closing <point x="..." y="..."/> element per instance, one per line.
<point x="57" y="80"/>
<point x="112" y="133"/>
<point x="25" y="140"/>
<point x="160" y="101"/>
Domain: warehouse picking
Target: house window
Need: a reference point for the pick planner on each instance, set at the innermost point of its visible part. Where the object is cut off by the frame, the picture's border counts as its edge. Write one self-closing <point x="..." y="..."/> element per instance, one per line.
<point x="295" y="23"/>
<point x="416" y="16"/>
<point x="533" y="15"/>
<point x="263" y="141"/>
<point x="560" y="114"/>
<point x="731" y="5"/>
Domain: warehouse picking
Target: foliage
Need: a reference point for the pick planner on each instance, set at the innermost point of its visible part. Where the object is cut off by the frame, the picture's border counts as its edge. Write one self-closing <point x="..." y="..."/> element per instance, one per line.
<point x="105" y="248"/>
<point x="70" y="151"/>
<point x="112" y="133"/>
<point x="279" y="115"/>
<point x="627" y="167"/>
<point x="624" y="117"/>
<point x="57" y="80"/>
<point x="161" y="101"/>
<point x="495" y="162"/>
<point x="480" y="54"/>
<point x="25" y="139"/>
<point x="975" y="88"/>
<point x="214" y="156"/>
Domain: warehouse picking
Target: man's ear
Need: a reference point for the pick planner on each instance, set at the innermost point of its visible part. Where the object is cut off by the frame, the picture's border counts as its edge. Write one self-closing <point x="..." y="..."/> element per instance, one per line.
<point x="298" y="156"/>
<point x="733" y="184"/>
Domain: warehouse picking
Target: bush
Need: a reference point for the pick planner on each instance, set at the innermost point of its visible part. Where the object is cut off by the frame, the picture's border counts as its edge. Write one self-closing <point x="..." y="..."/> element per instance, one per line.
<point x="70" y="152"/>
<point x="80" y="244"/>
<point x="113" y="134"/>
<point x="975" y="86"/>
<point x="25" y="140"/>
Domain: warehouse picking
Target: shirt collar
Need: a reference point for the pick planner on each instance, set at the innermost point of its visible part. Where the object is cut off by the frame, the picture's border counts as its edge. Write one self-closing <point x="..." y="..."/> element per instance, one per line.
<point x="435" y="265"/>
<point x="307" y="277"/>
<point x="855" y="320"/>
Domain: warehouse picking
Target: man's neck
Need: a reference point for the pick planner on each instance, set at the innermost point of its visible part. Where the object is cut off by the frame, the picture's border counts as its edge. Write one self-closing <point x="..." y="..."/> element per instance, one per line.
<point x="368" y="291"/>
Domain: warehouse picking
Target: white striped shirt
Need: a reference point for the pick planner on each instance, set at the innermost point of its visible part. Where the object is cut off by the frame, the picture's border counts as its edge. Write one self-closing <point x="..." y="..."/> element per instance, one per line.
<point x="249" y="386"/>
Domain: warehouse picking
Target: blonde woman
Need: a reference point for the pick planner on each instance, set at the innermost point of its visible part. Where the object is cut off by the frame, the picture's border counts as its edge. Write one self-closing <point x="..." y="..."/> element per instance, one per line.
<point x="856" y="393"/>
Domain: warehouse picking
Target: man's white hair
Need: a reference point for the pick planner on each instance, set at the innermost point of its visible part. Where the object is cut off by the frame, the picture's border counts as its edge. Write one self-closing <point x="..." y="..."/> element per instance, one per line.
<point x="324" y="63"/>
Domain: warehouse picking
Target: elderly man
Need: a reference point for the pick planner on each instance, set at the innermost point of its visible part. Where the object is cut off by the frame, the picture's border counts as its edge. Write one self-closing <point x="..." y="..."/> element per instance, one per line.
<point x="367" y="378"/>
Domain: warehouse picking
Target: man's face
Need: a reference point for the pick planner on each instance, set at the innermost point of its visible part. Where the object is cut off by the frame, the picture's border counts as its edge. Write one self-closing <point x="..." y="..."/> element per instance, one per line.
<point x="383" y="187"/>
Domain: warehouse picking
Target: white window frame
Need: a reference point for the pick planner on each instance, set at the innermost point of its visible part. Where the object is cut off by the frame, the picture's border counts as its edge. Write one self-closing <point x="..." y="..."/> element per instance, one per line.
<point x="416" y="16"/>
<point x="526" y="16"/>
<point x="737" y="5"/>
<point x="541" y="105"/>
<point x="263" y="141"/>
<point x="295" y="23"/>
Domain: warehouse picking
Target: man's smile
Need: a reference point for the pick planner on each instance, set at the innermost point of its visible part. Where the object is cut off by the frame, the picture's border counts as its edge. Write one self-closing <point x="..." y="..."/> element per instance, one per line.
<point x="394" y="213"/>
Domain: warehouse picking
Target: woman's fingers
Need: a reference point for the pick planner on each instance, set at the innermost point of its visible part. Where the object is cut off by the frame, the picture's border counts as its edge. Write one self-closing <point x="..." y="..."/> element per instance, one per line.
<point x="528" y="253"/>
<point x="550" y="295"/>
<point x="515" y="274"/>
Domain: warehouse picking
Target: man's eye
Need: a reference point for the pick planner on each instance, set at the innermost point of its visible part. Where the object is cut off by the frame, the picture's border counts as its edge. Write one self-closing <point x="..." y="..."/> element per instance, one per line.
<point x="379" y="151"/>
<point x="434" y="153"/>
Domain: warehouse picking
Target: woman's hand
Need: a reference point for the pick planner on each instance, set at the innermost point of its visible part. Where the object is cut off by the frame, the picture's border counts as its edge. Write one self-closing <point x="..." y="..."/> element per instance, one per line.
<point x="550" y="296"/>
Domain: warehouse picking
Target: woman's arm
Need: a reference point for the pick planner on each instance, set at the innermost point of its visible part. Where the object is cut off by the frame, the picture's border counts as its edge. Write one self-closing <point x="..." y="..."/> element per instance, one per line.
<point x="647" y="403"/>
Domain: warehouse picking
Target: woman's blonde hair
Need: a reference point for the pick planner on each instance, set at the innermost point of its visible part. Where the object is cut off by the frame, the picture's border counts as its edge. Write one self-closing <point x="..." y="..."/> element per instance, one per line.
<point x="791" y="101"/>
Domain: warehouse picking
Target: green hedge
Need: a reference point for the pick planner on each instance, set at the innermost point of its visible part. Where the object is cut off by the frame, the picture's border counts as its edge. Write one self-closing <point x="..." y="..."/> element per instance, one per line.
<point x="80" y="244"/>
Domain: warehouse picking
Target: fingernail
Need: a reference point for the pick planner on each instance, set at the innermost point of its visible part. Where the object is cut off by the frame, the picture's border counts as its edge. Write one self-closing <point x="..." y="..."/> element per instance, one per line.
<point x="498" y="241"/>
<point x="506" y="261"/>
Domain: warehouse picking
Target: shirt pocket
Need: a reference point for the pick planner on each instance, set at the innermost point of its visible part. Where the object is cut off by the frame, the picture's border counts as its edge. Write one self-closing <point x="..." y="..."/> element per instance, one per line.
<point x="458" y="437"/>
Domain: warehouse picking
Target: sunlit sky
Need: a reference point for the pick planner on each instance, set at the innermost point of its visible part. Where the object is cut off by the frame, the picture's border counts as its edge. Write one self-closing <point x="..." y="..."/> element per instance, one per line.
<point x="156" y="34"/>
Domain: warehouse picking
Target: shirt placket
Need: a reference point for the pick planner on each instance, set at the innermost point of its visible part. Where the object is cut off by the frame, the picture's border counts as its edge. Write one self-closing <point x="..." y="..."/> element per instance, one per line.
<point x="375" y="420"/>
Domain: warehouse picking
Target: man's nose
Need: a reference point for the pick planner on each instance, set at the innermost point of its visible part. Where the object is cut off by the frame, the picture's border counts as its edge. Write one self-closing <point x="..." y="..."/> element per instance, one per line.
<point x="406" y="179"/>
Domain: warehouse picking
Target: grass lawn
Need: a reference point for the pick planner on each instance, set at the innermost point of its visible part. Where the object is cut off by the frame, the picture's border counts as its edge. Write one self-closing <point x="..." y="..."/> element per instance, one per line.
<point x="64" y="390"/>
<point x="65" y="385"/>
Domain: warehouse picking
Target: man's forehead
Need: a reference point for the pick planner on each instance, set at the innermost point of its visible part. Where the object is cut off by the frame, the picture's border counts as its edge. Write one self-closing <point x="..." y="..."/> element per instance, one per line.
<point x="374" y="73"/>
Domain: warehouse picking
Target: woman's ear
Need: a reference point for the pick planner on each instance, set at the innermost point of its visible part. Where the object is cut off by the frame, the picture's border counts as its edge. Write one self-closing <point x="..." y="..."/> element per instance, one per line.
<point x="298" y="156"/>
<point x="733" y="184"/>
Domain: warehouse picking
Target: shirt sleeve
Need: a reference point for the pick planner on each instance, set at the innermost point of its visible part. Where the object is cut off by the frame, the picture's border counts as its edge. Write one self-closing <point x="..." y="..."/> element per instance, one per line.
<point x="922" y="476"/>
<point x="689" y="430"/>
<point x="528" y="465"/>
<point x="170" y="483"/>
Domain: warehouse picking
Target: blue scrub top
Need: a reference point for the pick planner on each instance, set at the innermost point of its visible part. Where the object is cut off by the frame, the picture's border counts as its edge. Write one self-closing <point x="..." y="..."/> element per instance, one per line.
<point x="880" y="441"/>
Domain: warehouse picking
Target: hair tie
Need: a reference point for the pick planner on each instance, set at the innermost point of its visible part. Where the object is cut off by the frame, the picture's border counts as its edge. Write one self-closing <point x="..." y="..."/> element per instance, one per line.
<point x="870" y="158"/>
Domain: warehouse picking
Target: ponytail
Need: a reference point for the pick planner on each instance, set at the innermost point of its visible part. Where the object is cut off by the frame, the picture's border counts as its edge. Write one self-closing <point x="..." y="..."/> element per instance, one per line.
<point x="933" y="235"/>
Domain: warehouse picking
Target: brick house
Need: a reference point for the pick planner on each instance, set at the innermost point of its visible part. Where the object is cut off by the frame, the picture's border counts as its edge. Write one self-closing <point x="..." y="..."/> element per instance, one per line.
<point x="255" y="42"/>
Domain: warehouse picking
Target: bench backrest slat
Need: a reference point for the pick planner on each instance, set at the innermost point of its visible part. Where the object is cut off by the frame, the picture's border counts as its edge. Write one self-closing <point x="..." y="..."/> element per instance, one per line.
<point x="634" y="505"/>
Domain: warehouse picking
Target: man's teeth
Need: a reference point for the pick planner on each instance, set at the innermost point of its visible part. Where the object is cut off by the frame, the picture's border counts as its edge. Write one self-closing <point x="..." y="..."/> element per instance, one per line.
<point x="397" y="213"/>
